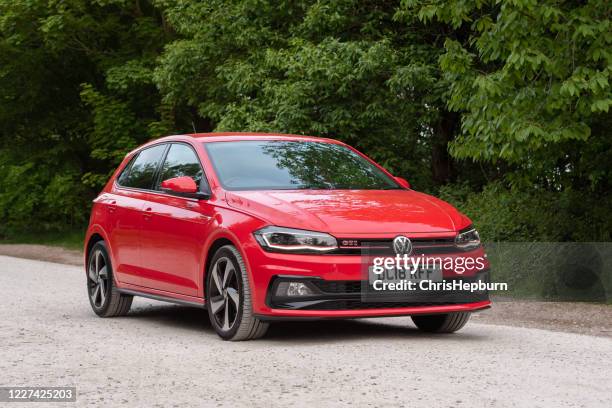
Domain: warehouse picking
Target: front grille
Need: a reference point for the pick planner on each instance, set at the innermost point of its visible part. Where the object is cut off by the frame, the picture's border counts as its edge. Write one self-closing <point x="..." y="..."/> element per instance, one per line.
<point x="385" y="246"/>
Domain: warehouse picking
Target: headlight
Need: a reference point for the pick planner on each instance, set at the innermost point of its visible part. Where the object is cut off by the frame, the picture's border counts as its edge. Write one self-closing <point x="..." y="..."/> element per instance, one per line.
<point x="468" y="239"/>
<point x="279" y="239"/>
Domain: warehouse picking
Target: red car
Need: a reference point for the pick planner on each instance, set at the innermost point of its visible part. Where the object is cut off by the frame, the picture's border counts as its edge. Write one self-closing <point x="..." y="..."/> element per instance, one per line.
<point x="262" y="227"/>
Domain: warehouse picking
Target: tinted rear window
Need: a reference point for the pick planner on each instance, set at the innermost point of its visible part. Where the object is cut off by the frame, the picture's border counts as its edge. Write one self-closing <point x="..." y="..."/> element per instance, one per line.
<point x="142" y="171"/>
<point x="285" y="165"/>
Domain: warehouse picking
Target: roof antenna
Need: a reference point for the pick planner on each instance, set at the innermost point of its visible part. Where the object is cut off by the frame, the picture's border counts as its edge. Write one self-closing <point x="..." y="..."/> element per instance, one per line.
<point x="193" y="126"/>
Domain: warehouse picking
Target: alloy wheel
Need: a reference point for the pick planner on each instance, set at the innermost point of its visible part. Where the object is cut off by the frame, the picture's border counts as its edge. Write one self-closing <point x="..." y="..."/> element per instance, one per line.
<point x="224" y="294"/>
<point x="98" y="279"/>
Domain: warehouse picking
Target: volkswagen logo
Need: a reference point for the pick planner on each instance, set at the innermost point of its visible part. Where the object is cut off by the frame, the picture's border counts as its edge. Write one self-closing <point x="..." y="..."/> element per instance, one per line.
<point x="402" y="245"/>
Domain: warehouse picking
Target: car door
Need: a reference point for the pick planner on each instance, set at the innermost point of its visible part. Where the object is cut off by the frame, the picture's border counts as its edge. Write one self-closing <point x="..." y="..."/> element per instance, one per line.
<point x="174" y="228"/>
<point x="125" y="205"/>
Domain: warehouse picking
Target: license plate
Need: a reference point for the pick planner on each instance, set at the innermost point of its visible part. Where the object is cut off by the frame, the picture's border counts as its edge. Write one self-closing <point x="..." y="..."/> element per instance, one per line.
<point x="394" y="275"/>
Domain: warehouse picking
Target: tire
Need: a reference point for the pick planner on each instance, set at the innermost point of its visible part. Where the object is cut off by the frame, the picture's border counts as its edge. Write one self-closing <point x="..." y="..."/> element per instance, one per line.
<point x="441" y="323"/>
<point x="104" y="297"/>
<point x="228" y="297"/>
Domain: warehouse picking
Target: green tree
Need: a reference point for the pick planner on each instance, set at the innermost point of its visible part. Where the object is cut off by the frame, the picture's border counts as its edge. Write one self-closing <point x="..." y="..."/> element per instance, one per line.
<point x="76" y="94"/>
<point x="507" y="100"/>
<point x="531" y="80"/>
<point x="341" y="68"/>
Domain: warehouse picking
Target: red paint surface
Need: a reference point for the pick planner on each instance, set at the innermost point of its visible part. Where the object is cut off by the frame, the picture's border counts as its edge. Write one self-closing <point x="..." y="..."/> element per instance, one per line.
<point x="160" y="243"/>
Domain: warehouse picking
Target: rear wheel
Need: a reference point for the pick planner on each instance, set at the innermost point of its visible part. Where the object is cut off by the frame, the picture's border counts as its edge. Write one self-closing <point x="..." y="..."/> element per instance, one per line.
<point x="105" y="299"/>
<point x="228" y="297"/>
<point x="441" y="323"/>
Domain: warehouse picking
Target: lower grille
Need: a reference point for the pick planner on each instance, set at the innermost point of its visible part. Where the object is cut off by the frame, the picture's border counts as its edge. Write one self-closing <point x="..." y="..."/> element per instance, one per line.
<point x="356" y="295"/>
<point x="352" y="286"/>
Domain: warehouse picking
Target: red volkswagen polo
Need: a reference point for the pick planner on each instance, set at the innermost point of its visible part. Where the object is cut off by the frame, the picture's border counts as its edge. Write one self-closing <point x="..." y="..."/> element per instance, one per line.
<point x="261" y="227"/>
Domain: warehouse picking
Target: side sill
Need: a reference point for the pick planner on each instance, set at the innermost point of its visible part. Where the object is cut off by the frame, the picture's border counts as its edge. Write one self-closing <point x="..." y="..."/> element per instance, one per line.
<point x="161" y="298"/>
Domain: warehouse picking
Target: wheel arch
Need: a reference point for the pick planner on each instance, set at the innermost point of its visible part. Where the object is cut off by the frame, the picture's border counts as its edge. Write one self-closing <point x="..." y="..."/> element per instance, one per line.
<point x="93" y="239"/>
<point x="96" y="234"/>
<point x="219" y="240"/>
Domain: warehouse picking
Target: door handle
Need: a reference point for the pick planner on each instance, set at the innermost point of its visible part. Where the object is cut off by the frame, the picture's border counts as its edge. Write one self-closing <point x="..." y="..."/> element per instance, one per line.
<point x="112" y="206"/>
<point x="147" y="213"/>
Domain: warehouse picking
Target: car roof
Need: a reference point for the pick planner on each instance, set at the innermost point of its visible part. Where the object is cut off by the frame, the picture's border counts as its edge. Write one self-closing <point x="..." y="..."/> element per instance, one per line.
<point x="234" y="136"/>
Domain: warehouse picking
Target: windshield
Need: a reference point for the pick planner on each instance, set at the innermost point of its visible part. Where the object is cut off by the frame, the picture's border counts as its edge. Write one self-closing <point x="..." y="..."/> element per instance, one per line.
<point x="289" y="165"/>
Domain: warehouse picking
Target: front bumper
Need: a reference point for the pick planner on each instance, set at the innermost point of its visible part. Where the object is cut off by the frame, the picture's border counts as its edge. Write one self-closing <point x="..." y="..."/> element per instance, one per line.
<point x="339" y="279"/>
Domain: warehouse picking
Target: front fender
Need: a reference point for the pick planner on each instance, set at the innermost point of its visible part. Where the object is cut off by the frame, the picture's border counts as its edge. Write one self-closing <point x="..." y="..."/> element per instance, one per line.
<point x="236" y="227"/>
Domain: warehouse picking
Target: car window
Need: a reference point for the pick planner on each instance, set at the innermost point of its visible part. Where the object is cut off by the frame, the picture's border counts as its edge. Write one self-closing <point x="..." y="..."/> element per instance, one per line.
<point x="286" y="165"/>
<point x="125" y="173"/>
<point x="141" y="173"/>
<point x="180" y="161"/>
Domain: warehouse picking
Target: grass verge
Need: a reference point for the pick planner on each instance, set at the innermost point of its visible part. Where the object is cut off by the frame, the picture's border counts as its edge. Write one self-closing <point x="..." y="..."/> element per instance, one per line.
<point x="72" y="239"/>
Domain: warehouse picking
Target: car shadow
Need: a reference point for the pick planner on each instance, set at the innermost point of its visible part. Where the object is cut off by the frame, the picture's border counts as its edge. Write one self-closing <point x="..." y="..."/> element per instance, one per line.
<point x="183" y="317"/>
<point x="313" y="331"/>
<point x="353" y="329"/>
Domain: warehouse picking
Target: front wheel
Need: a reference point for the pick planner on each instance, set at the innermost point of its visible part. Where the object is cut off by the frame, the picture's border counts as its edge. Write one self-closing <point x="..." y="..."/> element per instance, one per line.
<point x="228" y="298"/>
<point x="441" y="323"/>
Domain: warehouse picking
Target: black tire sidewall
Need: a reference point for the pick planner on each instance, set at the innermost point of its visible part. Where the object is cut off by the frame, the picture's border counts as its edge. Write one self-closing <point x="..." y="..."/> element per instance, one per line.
<point x="441" y="323"/>
<point x="430" y="323"/>
<point x="225" y="252"/>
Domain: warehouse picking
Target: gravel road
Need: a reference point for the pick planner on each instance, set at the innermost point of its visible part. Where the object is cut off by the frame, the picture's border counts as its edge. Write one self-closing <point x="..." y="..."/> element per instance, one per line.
<point x="167" y="355"/>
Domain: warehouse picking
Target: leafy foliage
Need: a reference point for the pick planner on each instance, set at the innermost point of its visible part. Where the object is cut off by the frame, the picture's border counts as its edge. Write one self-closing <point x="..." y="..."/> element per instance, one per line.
<point x="531" y="78"/>
<point x="506" y="100"/>
<point x="77" y="94"/>
<point x="512" y="214"/>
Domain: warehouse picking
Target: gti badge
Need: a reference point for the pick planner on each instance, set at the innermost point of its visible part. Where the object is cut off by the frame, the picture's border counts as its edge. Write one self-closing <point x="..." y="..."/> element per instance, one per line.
<point x="402" y="245"/>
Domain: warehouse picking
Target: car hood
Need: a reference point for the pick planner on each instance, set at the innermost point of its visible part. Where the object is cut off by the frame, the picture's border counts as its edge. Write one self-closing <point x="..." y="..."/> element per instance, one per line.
<point x="346" y="212"/>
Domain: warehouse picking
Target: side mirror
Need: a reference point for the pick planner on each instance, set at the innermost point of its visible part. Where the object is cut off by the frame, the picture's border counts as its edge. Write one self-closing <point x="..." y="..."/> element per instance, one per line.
<point x="183" y="186"/>
<point x="402" y="182"/>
